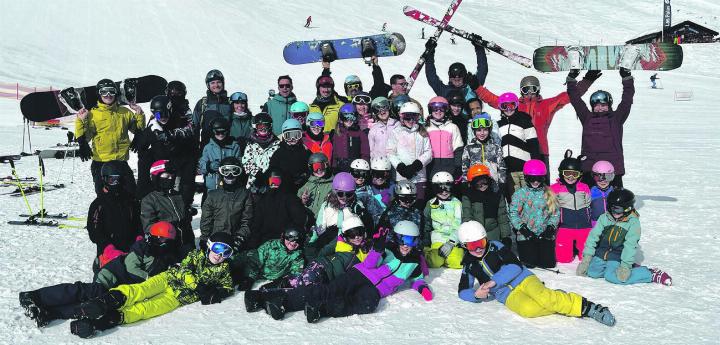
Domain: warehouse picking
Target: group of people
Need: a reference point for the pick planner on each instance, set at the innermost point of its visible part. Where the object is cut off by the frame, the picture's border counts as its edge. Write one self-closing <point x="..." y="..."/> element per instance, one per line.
<point x="342" y="201"/>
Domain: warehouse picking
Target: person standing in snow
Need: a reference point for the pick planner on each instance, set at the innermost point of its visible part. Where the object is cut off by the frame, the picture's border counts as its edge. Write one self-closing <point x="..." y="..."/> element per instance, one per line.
<point x="214" y="104"/>
<point x="308" y="21"/>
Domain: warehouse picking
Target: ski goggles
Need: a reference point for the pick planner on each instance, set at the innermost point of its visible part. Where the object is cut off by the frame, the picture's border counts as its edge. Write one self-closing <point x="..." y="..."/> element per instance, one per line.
<point x="230" y="170"/>
<point x="598" y="177"/>
<point x="107" y="91"/>
<point x="353" y="233"/>
<point x="381" y="108"/>
<point x="508" y="106"/>
<point x="219" y="131"/>
<point x="437" y="106"/>
<point x="274" y="181"/>
<point x="112" y="180"/>
<point x="292" y="135"/>
<point x="409" y="116"/>
<point x="480" y="123"/>
<point x="380" y="174"/>
<point x="317" y="123"/>
<point x="327" y="85"/>
<point x="318" y="166"/>
<point x="407" y="240"/>
<point x="481" y="180"/>
<point x="443" y="187"/>
<point x="299" y="115"/>
<point x="619" y="209"/>
<point x="356" y="86"/>
<point x="349" y="116"/>
<point x="571" y="173"/>
<point x="534" y="178"/>
<point x="344" y="194"/>
<point x="357" y="173"/>
<point x="220" y="248"/>
<point x="529" y="89"/>
<point x="293" y="236"/>
<point x="476" y="245"/>
<point x="160" y="115"/>
<point x="407" y="199"/>
<point x="262" y="126"/>
<point x="362" y="99"/>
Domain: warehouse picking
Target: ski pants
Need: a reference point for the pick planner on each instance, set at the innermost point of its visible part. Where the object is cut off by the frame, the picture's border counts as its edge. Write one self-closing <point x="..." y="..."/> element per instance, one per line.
<point x="349" y="294"/>
<point x="537" y="253"/>
<point x="532" y="299"/>
<point x="568" y="239"/>
<point x="61" y="300"/>
<point x="127" y="177"/>
<point x="600" y="268"/>
<point x="148" y="299"/>
<point x="434" y="260"/>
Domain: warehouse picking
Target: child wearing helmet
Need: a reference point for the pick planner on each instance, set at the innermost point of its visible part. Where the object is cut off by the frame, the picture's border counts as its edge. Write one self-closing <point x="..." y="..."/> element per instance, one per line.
<point x="260" y="148"/>
<point x="443" y="215"/>
<point x="349" y="142"/>
<point x="241" y="121"/>
<point x="340" y="204"/>
<point x="506" y="279"/>
<point x="574" y="201"/>
<point x="362" y="102"/>
<point x="291" y="157"/>
<point x="409" y="150"/>
<point x="603" y="173"/>
<point x="481" y="203"/>
<point x="519" y="139"/>
<point x="221" y="145"/>
<point x="602" y="134"/>
<point x="445" y="138"/>
<point x="483" y="148"/>
<point x="382" y="127"/>
<point x="299" y="111"/>
<point x="377" y="195"/>
<point x="403" y="206"/>
<point x="611" y="246"/>
<point x="202" y="276"/>
<point x="315" y="191"/>
<point x="534" y="210"/>
<point x="314" y="138"/>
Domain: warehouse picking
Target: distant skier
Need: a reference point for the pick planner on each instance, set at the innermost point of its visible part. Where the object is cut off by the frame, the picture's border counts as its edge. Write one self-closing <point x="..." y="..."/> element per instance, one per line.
<point x="652" y="80"/>
<point x="308" y="21"/>
<point x="452" y="39"/>
<point x="422" y="33"/>
<point x="384" y="27"/>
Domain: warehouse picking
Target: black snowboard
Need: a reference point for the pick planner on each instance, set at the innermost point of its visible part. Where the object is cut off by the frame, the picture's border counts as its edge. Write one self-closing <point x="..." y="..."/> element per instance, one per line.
<point x="48" y="105"/>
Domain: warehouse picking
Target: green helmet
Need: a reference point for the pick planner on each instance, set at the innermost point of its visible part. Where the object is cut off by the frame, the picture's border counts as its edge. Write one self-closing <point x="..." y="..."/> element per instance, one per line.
<point x="299" y="107"/>
<point x="317" y="157"/>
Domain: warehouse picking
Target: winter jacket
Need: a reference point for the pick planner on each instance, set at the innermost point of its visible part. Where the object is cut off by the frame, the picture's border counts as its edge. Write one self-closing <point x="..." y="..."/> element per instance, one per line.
<point x="519" y="140"/>
<point x="603" y="132"/>
<point x="378" y="137"/>
<point x="275" y="211"/>
<point x="598" y="202"/>
<point x="256" y="159"/>
<point x="279" y="109"/>
<point x="196" y="269"/>
<point x="157" y="206"/>
<point x="489" y="154"/>
<point x="142" y="262"/>
<point x="540" y="110"/>
<point x="114" y="220"/>
<point x="330" y="110"/>
<point x="391" y="270"/>
<point x="442" y="89"/>
<point x="443" y="217"/>
<point x="376" y="200"/>
<point x="405" y="145"/>
<point x="227" y="211"/>
<point x="498" y="264"/>
<point x="574" y="203"/>
<point x="444" y="139"/>
<point x="329" y="216"/>
<point x="614" y="240"/>
<point x="241" y="125"/>
<point x="489" y="209"/>
<point x="379" y="88"/>
<point x="318" y="188"/>
<point x="340" y="257"/>
<point x="292" y="162"/>
<point x="107" y="127"/>
<point x="207" y="109"/>
<point x="171" y="141"/>
<point x="529" y="207"/>
<point x="272" y="260"/>
<point x="395" y="213"/>
<point x="210" y="159"/>
<point x="323" y="144"/>
<point x="349" y="145"/>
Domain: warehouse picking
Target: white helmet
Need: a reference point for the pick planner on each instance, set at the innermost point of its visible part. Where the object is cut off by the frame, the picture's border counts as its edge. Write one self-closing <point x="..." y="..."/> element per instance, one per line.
<point x="360" y="164"/>
<point x="407" y="228"/>
<point x="410" y="107"/>
<point x="380" y="164"/>
<point x="471" y="231"/>
<point x="405" y="187"/>
<point x="442" y="177"/>
<point x="352" y="222"/>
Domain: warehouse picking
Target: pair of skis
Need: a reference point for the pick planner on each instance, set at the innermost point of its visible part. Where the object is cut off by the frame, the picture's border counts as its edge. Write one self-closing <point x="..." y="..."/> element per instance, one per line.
<point x="54" y="223"/>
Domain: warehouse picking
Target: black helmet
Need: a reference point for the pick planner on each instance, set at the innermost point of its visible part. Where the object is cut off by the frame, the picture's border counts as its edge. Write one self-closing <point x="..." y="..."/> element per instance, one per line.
<point x="214" y="75"/>
<point x="262" y="118"/>
<point x="111" y="175"/>
<point x="176" y="86"/>
<point x="601" y="96"/>
<point x="293" y="234"/>
<point x="220" y="123"/>
<point x="456" y="97"/>
<point x="221" y="236"/>
<point x="621" y="199"/>
<point x="106" y="83"/>
<point x="570" y="163"/>
<point x="109" y="168"/>
<point x="161" y="104"/>
<point x="457" y="69"/>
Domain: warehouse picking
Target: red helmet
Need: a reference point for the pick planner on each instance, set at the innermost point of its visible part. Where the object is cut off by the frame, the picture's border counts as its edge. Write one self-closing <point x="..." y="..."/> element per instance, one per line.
<point x="163" y="229"/>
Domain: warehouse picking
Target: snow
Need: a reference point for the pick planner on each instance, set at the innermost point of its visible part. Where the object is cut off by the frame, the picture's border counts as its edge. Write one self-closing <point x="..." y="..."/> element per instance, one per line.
<point x="670" y="150"/>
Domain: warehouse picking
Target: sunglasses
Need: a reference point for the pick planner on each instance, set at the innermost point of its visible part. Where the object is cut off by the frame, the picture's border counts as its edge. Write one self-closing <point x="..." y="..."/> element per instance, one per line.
<point x="344" y="194"/>
<point x="112" y="180"/>
<point x="317" y="123"/>
<point x="529" y="89"/>
<point x="284" y="86"/>
<point x="598" y="177"/>
<point x="356" y="173"/>
<point x="230" y="170"/>
<point x="403" y="84"/>
<point x="571" y="173"/>
<point x="353" y="233"/>
<point x="407" y="240"/>
<point x="353" y="87"/>
<point x="476" y="245"/>
<point x="480" y="123"/>
<point x="362" y="99"/>
<point x="292" y="135"/>
<point x="220" y="248"/>
<point x="107" y="91"/>
<point x="534" y="178"/>
<point x="508" y="106"/>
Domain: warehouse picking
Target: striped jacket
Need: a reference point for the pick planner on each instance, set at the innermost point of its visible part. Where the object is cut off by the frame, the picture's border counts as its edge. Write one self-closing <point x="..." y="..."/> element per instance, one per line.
<point x="519" y="140"/>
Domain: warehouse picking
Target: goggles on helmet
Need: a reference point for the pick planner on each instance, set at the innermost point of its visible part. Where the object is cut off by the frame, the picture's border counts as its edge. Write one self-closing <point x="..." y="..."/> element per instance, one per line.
<point x="407" y="240"/>
<point x="230" y="170"/>
<point x="294" y="134"/>
<point x="599" y="177"/>
<point x="107" y="91"/>
<point x="437" y="106"/>
<point x="220" y="248"/>
<point x="571" y="173"/>
<point x="529" y="89"/>
<point x="357" y="173"/>
<point x="317" y="123"/>
<point x="476" y="245"/>
<point x="480" y="123"/>
<point x="362" y="99"/>
<point x="112" y="180"/>
<point x="356" y="86"/>
<point x="508" y="106"/>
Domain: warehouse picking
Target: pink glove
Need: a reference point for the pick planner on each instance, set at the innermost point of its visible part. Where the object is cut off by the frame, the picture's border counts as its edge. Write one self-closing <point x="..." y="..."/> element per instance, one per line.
<point x="382" y="232"/>
<point x="426" y="293"/>
<point x="139" y="238"/>
<point x="109" y="253"/>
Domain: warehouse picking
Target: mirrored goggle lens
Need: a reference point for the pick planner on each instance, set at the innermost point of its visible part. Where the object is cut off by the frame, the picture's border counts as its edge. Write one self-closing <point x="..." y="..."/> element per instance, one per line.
<point x="571" y="173"/>
<point x="356" y="173"/>
<point x="362" y="99"/>
<point x="107" y="91"/>
<point x="476" y="245"/>
<point x="480" y="123"/>
<point x="437" y="106"/>
<point x="343" y="194"/>
<point x="618" y="209"/>
<point x="529" y="89"/>
<point x="112" y="180"/>
<point x="292" y="135"/>
<point x="230" y="170"/>
<point x="317" y="123"/>
<point x="353" y="87"/>
<point x="407" y="240"/>
<point x="603" y="176"/>
<point x="353" y="233"/>
<point x="349" y="116"/>
<point x="381" y="108"/>
<point x="318" y="166"/>
<point x="160" y="114"/>
<point x="508" y="106"/>
<point x="221" y="248"/>
<point x="444" y="187"/>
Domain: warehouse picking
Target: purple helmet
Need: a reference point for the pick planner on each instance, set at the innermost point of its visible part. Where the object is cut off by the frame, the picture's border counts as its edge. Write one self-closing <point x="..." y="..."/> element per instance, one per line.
<point x="603" y="167"/>
<point x="344" y="182"/>
<point x="534" y="167"/>
<point x="347" y="108"/>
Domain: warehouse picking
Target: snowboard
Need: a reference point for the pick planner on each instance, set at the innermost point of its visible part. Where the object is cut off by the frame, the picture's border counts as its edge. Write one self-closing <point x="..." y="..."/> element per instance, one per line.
<point x="48" y="105"/>
<point x="59" y="151"/>
<point x="302" y="52"/>
<point x="648" y="56"/>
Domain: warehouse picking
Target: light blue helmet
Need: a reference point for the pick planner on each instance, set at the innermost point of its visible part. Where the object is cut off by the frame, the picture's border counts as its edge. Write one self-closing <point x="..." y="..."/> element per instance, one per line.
<point x="314" y="116"/>
<point x="238" y="97"/>
<point x="291" y="124"/>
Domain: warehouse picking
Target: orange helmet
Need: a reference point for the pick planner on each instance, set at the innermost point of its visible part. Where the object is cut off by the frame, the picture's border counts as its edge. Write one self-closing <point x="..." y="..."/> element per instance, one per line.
<point x="163" y="229"/>
<point x="477" y="170"/>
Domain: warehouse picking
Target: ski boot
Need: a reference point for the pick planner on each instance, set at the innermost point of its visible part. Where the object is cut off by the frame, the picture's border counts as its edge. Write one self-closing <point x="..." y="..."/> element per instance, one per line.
<point x="253" y="301"/>
<point x="87" y="328"/>
<point x="33" y="309"/>
<point x="95" y="308"/>
<point x="274" y="306"/>
<point x="328" y="52"/>
<point x="660" y="277"/>
<point x="313" y="313"/>
<point x="28" y="299"/>
<point x="598" y="312"/>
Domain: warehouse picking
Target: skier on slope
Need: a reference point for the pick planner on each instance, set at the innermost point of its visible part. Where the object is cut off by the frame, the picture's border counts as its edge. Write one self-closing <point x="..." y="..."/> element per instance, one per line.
<point x="216" y="99"/>
<point x="308" y="21"/>
<point x="457" y="73"/>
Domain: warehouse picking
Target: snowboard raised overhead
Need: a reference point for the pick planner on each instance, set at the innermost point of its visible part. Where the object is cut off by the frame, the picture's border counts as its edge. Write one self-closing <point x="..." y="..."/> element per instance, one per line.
<point x="302" y="52"/>
<point x="648" y="56"/>
<point x="48" y="105"/>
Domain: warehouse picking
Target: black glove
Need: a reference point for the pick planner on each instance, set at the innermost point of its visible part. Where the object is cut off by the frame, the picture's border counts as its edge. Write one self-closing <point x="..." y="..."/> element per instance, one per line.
<point x="574" y="73"/>
<point x="238" y="243"/>
<point x="203" y="243"/>
<point x="529" y="235"/>
<point x="208" y="294"/>
<point x="136" y="143"/>
<point x="208" y="166"/>
<point x="592" y="75"/>
<point x="245" y="284"/>
<point x="83" y="328"/>
<point x="624" y="72"/>
<point x="476" y="40"/>
<point x="84" y="150"/>
<point x="402" y="170"/>
<point x="472" y="81"/>
<point x="430" y="46"/>
<point x="331" y="232"/>
<point x="161" y="136"/>
<point x="507" y="242"/>
<point x="549" y="233"/>
<point x="414" y="168"/>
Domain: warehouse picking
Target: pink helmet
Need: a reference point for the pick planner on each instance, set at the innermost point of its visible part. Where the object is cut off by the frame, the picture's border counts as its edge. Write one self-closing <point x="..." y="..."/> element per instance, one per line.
<point x="603" y="167"/>
<point x="508" y="97"/>
<point x="343" y="182"/>
<point x="438" y="99"/>
<point x="158" y="167"/>
<point x="534" y="167"/>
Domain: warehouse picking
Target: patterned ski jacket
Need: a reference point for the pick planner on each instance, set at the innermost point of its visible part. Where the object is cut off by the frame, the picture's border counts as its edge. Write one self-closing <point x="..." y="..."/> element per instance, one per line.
<point x="210" y="159"/>
<point x="529" y="207"/>
<point x="271" y="261"/>
<point x="107" y="127"/>
<point x="498" y="264"/>
<point x="405" y="145"/>
<point x="375" y="200"/>
<point x="388" y="270"/>
<point x="395" y="213"/>
<point x="614" y="240"/>
<point x="256" y="159"/>
<point x="443" y="219"/>
<point x="574" y="203"/>
<point x="378" y="137"/>
<point x="488" y="153"/>
<point x="196" y="268"/>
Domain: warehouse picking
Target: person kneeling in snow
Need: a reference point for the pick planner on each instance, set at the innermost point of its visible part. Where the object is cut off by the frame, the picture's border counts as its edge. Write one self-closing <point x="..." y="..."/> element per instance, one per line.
<point x="202" y="276"/>
<point x="503" y="277"/>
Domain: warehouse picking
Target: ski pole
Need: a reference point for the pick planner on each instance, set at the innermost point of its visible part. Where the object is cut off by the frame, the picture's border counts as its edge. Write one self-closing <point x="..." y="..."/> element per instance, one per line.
<point x="20" y="186"/>
<point x="41" y="167"/>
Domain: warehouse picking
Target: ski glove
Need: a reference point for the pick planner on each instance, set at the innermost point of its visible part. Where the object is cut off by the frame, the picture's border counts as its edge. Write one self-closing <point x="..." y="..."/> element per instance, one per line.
<point x="430" y="46"/>
<point x="446" y="248"/>
<point x="208" y="294"/>
<point x="379" y="241"/>
<point x="507" y="242"/>
<point x="424" y="290"/>
<point x="525" y="231"/>
<point x="574" y="73"/>
<point x="476" y="39"/>
<point x="592" y="75"/>
<point x="245" y="284"/>
<point x="84" y="150"/>
<point x="136" y="143"/>
<point x="402" y="169"/>
<point x="549" y="233"/>
<point x="583" y="266"/>
<point x="161" y="136"/>
<point x="622" y="273"/>
<point x="472" y="81"/>
<point x="624" y="72"/>
<point x="414" y="168"/>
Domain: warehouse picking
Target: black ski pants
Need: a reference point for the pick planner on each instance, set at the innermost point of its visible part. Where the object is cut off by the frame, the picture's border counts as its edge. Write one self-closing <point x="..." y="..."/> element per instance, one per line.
<point x="62" y="300"/>
<point x="537" y="253"/>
